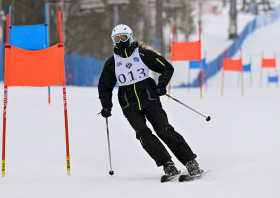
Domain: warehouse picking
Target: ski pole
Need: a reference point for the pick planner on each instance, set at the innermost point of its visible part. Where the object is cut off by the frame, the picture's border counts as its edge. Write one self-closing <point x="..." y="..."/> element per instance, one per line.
<point x="111" y="172"/>
<point x="207" y="117"/>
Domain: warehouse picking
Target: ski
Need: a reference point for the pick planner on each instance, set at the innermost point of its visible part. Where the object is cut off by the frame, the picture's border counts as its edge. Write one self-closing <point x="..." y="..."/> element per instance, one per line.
<point x="167" y="178"/>
<point x="185" y="177"/>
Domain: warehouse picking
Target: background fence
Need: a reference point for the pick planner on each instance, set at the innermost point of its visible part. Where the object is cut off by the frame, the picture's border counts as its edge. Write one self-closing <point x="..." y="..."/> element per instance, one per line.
<point x="85" y="71"/>
<point x="81" y="70"/>
<point x="262" y="20"/>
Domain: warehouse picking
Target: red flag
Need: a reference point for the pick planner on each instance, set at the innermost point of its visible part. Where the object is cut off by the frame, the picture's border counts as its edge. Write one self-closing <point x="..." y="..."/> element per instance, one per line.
<point x="268" y="63"/>
<point x="185" y="51"/>
<point x="34" y="68"/>
<point x="232" y="65"/>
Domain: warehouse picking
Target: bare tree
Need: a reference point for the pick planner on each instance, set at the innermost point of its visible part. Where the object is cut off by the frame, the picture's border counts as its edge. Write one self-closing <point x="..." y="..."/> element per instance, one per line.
<point x="88" y="31"/>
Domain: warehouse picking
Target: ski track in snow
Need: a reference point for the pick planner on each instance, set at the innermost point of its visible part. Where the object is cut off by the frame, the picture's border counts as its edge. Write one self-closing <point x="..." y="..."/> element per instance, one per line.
<point x="240" y="145"/>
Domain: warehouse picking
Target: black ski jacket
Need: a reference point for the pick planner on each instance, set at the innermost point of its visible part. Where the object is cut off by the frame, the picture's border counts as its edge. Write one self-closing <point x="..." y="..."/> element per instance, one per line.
<point x="142" y="94"/>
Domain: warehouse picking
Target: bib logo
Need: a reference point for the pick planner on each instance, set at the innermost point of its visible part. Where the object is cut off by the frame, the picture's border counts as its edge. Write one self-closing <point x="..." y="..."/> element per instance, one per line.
<point x="119" y="63"/>
<point x="136" y="59"/>
<point x="128" y="65"/>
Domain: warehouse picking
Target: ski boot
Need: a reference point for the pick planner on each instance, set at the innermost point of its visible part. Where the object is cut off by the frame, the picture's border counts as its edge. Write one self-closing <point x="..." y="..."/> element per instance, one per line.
<point x="193" y="168"/>
<point x="170" y="169"/>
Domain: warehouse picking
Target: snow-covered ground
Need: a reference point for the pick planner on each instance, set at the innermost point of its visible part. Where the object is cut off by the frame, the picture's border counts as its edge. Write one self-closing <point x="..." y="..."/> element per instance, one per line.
<point x="240" y="145"/>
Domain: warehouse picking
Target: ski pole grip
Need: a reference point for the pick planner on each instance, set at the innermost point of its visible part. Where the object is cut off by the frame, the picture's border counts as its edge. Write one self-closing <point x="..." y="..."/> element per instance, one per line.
<point x="208" y="118"/>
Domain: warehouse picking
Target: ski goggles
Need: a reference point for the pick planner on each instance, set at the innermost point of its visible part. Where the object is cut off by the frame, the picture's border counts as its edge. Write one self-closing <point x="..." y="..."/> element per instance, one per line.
<point x="121" y="37"/>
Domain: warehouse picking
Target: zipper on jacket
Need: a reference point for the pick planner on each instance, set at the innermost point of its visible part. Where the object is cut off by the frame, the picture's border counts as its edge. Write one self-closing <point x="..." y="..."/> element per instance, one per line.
<point x="125" y="53"/>
<point x="137" y="96"/>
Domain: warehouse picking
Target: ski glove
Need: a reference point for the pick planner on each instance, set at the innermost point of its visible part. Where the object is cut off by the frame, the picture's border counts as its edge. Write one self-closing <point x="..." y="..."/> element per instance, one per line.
<point x="106" y="112"/>
<point x="161" y="89"/>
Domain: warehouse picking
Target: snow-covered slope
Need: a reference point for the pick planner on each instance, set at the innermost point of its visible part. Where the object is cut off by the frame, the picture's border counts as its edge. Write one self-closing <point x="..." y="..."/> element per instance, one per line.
<point x="240" y="145"/>
<point x="214" y="40"/>
<point x="264" y="40"/>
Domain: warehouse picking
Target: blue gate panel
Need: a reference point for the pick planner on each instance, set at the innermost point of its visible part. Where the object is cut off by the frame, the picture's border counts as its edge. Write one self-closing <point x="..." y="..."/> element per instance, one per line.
<point x="196" y="64"/>
<point x="272" y="79"/>
<point x="30" y="37"/>
<point x="247" y="68"/>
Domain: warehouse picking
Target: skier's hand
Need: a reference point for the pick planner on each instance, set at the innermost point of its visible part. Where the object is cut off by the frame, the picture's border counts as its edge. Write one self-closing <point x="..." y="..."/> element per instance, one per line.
<point x="106" y="112"/>
<point x="161" y="89"/>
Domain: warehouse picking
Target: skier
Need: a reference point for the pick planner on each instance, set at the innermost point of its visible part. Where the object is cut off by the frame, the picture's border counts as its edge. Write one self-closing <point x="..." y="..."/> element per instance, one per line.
<point x="139" y="99"/>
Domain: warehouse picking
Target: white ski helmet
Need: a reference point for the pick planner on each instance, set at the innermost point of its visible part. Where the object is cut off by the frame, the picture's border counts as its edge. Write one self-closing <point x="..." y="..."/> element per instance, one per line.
<point x="122" y="30"/>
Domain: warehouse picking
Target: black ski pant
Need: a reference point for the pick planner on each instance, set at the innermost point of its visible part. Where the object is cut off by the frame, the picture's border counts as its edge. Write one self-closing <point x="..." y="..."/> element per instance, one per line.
<point x="158" y="118"/>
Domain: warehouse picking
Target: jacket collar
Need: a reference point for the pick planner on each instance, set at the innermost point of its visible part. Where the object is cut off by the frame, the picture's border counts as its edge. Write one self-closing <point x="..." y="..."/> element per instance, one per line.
<point x="125" y="52"/>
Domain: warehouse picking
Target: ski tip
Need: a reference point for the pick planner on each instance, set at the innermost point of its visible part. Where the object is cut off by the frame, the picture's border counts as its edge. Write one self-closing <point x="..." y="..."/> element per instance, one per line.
<point x="166" y="178"/>
<point x="206" y="172"/>
<point x="183" y="178"/>
<point x="163" y="179"/>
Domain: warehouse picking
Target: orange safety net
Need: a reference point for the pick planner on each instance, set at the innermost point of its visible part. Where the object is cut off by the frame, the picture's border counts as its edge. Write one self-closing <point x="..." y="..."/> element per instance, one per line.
<point x="34" y="68"/>
<point x="185" y="51"/>
<point x="269" y="63"/>
<point x="232" y="65"/>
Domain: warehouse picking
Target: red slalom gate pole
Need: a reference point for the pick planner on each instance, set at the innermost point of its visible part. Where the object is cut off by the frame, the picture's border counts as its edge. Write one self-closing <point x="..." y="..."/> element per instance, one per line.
<point x="200" y="63"/>
<point x="173" y="35"/>
<point x="3" y="167"/>
<point x="60" y="27"/>
<point x="242" y="85"/>
<point x="7" y="28"/>
<point x="222" y="89"/>
<point x="169" y="87"/>
<point x="251" y="83"/>
<point x="66" y="130"/>
<point x="261" y="78"/>
<point x="276" y="76"/>
<point x="65" y="104"/>
<point x="205" y="78"/>
<point x="242" y="88"/>
<point x="4" y="132"/>
<point x="261" y="72"/>
<point x="223" y="75"/>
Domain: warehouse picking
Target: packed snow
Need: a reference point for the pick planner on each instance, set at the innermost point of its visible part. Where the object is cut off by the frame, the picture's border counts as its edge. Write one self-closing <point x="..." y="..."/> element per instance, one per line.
<point x="240" y="145"/>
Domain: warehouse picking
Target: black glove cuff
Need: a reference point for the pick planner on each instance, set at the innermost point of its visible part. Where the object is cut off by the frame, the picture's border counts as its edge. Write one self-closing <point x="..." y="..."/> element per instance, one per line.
<point x="106" y="112"/>
<point x="161" y="89"/>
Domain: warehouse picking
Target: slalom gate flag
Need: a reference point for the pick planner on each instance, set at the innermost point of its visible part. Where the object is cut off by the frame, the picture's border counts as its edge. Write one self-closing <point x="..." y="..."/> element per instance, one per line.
<point x="247" y="68"/>
<point x="232" y="65"/>
<point x="37" y="69"/>
<point x="235" y="66"/>
<point x="34" y="68"/>
<point x="196" y="64"/>
<point x="273" y="79"/>
<point x="268" y="63"/>
<point x="183" y="51"/>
